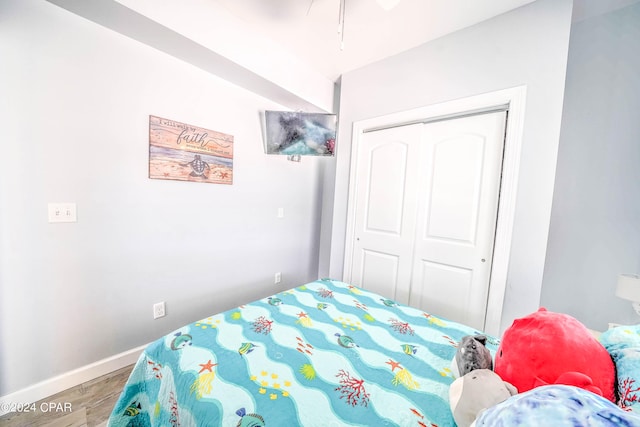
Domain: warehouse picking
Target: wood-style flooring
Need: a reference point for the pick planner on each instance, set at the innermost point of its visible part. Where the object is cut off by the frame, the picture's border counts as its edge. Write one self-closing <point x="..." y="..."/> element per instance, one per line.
<point x="86" y="405"/>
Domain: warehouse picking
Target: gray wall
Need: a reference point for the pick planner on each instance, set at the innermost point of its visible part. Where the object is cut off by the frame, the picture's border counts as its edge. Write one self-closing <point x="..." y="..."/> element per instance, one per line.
<point x="74" y="120"/>
<point x="527" y="46"/>
<point x="595" y="222"/>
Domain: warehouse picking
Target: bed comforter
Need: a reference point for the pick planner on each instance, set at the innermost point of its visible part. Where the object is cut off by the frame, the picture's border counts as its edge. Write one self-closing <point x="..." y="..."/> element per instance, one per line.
<point x="323" y="354"/>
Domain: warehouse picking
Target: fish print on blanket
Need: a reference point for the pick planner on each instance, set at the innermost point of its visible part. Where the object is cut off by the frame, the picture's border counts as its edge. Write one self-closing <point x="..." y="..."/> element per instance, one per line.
<point x="323" y="353"/>
<point x="137" y="417"/>
<point x="246" y="348"/>
<point x="409" y="349"/>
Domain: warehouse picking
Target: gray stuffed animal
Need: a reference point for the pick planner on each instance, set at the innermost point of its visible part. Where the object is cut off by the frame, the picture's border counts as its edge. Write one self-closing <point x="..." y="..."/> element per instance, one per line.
<point x="472" y="354"/>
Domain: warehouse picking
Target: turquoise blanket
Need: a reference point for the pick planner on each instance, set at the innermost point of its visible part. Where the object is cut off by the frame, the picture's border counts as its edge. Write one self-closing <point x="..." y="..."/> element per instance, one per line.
<point x="623" y="344"/>
<point x="322" y="354"/>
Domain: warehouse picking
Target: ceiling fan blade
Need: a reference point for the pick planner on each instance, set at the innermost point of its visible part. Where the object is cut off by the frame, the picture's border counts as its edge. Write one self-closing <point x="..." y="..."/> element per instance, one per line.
<point x="388" y="4"/>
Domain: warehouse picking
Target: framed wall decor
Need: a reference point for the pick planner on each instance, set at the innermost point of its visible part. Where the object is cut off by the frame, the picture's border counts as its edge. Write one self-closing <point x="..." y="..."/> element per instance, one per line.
<point x="183" y="152"/>
<point x="295" y="133"/>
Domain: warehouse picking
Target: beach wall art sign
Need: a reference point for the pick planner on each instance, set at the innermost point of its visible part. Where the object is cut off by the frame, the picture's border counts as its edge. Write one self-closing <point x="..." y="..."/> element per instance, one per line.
<point x="183" y="152"/>
<point x="300" y="134"/>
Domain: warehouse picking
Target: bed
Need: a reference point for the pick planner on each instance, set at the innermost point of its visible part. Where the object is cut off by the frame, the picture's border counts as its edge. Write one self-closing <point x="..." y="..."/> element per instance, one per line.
<point x="323" y="354"/>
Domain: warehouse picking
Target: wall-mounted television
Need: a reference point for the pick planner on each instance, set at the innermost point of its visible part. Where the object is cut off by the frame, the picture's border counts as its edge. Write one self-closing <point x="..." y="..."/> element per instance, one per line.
<point x="300" y="134"/>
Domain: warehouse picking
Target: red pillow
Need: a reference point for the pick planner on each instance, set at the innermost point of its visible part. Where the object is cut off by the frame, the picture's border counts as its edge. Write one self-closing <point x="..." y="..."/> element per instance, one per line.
<point x="547" y="347"/>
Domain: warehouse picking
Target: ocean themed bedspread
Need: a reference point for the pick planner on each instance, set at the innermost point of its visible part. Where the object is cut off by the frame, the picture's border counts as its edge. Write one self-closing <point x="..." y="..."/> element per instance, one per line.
<point x="322" y="354"/>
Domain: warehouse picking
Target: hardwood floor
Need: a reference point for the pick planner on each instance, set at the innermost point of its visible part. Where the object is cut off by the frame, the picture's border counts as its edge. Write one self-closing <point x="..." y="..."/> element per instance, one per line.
<point x="86" y="405"/>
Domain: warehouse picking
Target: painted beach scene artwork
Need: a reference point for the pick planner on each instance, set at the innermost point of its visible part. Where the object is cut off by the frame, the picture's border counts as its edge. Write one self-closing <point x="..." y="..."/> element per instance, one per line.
<point x="183" y="152"/>
<point x="305" y="134"/>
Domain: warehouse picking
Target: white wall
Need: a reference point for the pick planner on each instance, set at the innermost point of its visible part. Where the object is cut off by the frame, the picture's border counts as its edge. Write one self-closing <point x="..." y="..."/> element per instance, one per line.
<point x="595" y="221"/>
<point x="527" y="46"/>
<point x="206" y="35"/>
<point x="74" y="117"/>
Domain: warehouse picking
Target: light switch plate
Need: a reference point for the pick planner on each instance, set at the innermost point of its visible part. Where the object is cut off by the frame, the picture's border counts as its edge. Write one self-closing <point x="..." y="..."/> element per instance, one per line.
<point x="62" y="212"/>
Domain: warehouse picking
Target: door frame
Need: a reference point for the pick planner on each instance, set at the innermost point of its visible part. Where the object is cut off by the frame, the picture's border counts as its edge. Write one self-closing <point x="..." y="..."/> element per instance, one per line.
<point x="514" y="99"/>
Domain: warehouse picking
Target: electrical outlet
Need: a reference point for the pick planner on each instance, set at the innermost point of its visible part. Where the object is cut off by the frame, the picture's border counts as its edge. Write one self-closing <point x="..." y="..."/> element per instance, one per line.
<point x="158" y="310"/>
<point x="277" y="278"/>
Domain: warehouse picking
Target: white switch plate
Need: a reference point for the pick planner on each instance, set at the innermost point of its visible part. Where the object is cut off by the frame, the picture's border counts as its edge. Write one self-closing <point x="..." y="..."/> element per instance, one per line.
<point x="280" y="212"/>
<point x="62" y="212"/>
<point x="277" y="278"/>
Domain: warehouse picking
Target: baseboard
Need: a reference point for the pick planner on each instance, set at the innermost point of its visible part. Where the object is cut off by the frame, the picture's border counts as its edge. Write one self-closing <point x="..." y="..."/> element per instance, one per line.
<point x="69" y="379"/>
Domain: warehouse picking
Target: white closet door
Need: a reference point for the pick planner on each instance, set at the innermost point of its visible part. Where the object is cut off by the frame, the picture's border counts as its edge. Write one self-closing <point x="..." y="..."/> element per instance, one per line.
<point x="386" y="209"/>
<point x="425" y="214"/>
<point x="459" y="183"/>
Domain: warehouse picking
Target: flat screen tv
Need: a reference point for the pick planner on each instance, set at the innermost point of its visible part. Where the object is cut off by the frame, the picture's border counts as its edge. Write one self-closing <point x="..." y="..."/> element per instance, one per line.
<point x="300" y="134"/>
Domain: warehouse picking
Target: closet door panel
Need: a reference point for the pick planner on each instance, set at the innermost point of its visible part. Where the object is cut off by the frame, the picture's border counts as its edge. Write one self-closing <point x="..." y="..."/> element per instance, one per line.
<point x="386" y="210"/>
<point x="459" y="183"/>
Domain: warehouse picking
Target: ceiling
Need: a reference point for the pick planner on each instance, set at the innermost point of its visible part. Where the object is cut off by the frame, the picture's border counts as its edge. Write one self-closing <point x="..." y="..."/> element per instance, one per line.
<point x="309" y="28"/>
<point x="290" y="51"/>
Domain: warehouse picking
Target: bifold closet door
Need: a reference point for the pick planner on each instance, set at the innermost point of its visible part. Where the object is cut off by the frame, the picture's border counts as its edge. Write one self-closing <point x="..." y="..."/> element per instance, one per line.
<point x="459" y="187"/>
<point x="386" y="206"/>
<point x="426" y="210"/>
